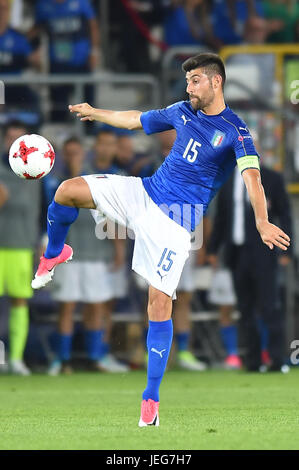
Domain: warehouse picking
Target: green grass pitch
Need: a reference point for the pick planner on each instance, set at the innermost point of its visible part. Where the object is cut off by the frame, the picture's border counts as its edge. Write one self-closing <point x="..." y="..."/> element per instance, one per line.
<point x="209" y="410"/>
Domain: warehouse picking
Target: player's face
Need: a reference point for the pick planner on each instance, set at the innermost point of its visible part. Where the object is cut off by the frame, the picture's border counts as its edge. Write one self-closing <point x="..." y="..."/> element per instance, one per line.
<point x="199" y="89"/>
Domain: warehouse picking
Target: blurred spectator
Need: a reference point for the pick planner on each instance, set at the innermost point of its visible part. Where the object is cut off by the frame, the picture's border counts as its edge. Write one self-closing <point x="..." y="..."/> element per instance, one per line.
<point x="15" y="56"/>
<point x="282" y="16"/>
<point x="130" y="24"/>
<point x="256" y="31"/>
<point x="18" y="236"/>
<point x="187" y="23"/>
<point x="95" y="277"/>
<point x="228" y="18"/>
<point x="73" y="34"/>
<point x="130" y="162"/>
<point x="254" y="266"/>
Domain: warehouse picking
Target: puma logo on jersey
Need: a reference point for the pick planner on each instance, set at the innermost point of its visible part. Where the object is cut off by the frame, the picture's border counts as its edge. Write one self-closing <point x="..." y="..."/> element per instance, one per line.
<point x="161" y="275"/>
<point x="243" y="129"/>
<point x="185" y="119"/>
<point x="158" y="352"/>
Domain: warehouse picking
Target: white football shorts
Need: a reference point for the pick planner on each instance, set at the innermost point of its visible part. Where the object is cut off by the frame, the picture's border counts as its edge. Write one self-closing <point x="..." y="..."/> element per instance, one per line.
<point x="89" y="282"/>
<point x="161" y="245"/>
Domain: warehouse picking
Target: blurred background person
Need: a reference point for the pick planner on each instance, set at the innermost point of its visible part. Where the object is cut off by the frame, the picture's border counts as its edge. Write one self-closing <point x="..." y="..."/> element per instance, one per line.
<point x="73" y="37"/>
<point x="282" y="16"/>
<point x="19" y="216"/>
<point x="228" y="18"/>
<point x="96" y="275"/>
<point x="187" y="23"/>
<point x="16" y="56"/>
<point x="131" y="23"/>
<point x="131" y="162"/>
<point x="254" y="268"/>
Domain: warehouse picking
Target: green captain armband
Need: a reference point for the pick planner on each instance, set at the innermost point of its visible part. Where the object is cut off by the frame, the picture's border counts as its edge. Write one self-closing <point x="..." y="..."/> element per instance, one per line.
<point x="249" y="161"/>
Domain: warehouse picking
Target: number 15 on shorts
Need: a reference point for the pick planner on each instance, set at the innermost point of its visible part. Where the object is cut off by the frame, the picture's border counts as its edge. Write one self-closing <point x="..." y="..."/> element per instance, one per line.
<point x="167" y="257"/>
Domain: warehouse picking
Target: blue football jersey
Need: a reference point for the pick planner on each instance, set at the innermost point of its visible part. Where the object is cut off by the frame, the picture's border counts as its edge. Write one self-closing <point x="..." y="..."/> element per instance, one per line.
<point x="202" y="158"/>
<point x="14" y="51"/>
<point x="68" y="29"/>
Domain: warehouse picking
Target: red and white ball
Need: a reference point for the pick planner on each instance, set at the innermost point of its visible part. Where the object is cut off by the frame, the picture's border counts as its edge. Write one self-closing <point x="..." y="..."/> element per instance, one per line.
<point x="31" y="156"/>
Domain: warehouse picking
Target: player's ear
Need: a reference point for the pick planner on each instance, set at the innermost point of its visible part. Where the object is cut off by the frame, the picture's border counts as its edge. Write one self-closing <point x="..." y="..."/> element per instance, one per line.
<point x="217" y="81"/>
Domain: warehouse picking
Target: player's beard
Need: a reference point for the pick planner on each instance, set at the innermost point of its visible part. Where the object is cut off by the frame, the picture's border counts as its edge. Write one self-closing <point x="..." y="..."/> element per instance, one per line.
<point x="201" y="103"/>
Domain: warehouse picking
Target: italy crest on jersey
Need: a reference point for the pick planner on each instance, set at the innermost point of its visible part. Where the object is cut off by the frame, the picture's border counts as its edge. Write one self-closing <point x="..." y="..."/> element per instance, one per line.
<point x="218" y="138"/>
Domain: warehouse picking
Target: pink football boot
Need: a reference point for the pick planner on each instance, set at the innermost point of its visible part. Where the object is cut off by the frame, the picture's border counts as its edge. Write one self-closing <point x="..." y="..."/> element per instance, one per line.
<point x="149" y="413"/>
<point x="47" y="266"/>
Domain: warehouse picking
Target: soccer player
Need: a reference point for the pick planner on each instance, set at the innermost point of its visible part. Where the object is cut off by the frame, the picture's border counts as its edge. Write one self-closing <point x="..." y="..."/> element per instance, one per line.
<point x="163" y="209"/>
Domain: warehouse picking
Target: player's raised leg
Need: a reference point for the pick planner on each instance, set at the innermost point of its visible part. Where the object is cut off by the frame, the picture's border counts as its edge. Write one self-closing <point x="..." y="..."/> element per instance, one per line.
<point x="159" y="340"/>
<point x="71" y="195"/>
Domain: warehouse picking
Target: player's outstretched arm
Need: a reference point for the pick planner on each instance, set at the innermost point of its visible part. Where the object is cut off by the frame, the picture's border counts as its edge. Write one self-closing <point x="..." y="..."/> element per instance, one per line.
<point x="123" y="119"/>
<point x="270" y="234"/>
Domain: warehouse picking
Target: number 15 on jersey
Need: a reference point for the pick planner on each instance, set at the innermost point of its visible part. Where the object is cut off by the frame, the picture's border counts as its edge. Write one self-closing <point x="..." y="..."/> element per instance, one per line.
<point x="191" y="147"/>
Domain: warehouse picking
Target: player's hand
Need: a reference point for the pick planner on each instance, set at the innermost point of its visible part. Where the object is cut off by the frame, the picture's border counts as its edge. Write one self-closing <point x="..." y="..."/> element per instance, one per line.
<point x="272" y="235"/>
<point x="83" y="110"/>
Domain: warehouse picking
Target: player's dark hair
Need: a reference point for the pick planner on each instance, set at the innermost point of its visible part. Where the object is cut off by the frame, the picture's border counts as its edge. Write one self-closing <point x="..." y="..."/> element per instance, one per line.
<point x="15" y="124"/>
<point x="211" y="63"/>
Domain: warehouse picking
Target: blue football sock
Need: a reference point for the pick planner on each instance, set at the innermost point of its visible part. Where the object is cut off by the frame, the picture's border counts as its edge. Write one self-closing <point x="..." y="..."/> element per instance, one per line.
<point x="64" y="347"/>
<point x="159" y="341"/>
<point x="229" y="339"/>
<point x="182" y="340"/>
<point x="93" y="341"/>
<point x="59" y="220"/>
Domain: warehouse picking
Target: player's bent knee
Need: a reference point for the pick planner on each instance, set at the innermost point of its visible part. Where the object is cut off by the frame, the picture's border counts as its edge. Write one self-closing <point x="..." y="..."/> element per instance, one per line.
<point x="65" y="193"/>
<point x="75" y="192"/>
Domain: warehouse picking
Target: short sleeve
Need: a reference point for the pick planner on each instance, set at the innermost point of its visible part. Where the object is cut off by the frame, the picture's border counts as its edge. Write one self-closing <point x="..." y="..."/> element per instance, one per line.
<point x="245" y="151"/>
<point x="159" y="120"/>
<point x="87" y="9"/>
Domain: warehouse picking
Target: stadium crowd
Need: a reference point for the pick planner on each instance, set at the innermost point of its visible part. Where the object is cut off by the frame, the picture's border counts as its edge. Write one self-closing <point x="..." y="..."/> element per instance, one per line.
<point x="64" y="37"/>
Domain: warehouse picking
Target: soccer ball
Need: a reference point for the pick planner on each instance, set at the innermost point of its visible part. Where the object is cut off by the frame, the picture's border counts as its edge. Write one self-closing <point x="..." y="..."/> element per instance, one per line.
<point x="31" y="156"/>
